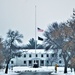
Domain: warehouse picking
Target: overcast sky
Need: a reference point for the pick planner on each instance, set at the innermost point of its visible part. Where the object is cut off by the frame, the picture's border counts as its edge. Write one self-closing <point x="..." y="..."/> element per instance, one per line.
<point x="20" y="15"/>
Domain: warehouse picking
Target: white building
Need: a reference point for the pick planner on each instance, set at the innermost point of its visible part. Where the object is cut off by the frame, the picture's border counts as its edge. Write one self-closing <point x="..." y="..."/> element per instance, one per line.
<point x="42" y="57"/>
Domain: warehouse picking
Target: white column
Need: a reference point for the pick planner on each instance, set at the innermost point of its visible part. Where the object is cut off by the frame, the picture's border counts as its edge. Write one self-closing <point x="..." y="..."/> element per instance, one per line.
<point x="44" y="62"/>
<point x="39" y="62"/>
<point x="32" y="63"/>
<point x="16" y="60"/>
<point x="27" y="63"/>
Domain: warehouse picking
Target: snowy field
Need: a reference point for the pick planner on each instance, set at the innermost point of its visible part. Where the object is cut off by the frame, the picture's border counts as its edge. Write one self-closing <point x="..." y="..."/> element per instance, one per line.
<point x="60" y="70"/>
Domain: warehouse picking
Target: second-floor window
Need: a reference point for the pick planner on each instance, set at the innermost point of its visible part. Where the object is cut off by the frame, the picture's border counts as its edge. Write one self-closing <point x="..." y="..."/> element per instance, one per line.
<point x="60" y="61"/>
<point x="24" y="55"/>
<point x="12" y="62"/>
<point x="52" y="55"/>
<point x="47" y="55"/>
<point x="59" y="55"/>
<point x="36" y="55"/>
<point x="29" y="55"/>
<point x="41" y="55"/>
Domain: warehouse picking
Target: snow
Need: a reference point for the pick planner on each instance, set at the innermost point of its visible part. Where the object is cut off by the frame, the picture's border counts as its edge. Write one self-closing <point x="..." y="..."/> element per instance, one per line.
<point x="40" y="69"/>
<point x="60" y="70"/>
<point x="9" y="73"/>
<point x="37" y="51"/>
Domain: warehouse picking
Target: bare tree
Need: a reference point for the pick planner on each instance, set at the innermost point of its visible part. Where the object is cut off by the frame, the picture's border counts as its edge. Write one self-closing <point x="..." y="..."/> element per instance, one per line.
<point x="1" y="54"/>
<point x="13" y="37"/>
<point x="63" y="36"/>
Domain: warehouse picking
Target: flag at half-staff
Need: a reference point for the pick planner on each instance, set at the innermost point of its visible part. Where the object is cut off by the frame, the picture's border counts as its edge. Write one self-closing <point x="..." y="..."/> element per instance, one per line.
<point x="40" y="30"/>
<point x="39" y="38"/>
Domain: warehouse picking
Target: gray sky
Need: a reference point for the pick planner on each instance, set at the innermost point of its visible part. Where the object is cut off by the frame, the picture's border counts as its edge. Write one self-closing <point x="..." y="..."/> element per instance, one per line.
<point x="20" y="15"/>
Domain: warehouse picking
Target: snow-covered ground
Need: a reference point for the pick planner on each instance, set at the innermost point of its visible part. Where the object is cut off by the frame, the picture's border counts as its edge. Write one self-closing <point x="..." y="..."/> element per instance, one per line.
<point x="10" y="72"/>
<point x="60" y="70"/>
<point x="40" y="69"/>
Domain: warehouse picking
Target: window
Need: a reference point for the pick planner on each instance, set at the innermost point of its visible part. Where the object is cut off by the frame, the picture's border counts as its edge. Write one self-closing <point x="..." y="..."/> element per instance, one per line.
<point x="19" y="55"/>
<point x="29" y="55"/>
<point x="24" y="55"/>
<point x="41" y="55"/>
<point x="59" y="55"/>
<point x="12" y="62"/>
<point x="36" y="55"/>
<point x="42" y="61"/>
<point x="30" y="62"/>
<point x="24" y="62"/>
<point x="47" y="55"/>
<point x="47" y="61"/>
<point x="60" y="62"/>
<point x="52" y="55"/>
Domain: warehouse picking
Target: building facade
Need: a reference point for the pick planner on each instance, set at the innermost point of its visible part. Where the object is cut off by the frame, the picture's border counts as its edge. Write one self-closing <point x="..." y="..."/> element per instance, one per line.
<point x="40" y="56"/>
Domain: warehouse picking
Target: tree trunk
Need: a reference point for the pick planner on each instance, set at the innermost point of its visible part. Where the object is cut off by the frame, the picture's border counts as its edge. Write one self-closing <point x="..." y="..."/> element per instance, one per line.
<point x="66" y="60"/>
<point x="65" y="68"/>
<point x="74" y="69"/>
<point x="71" y="69"/>
<point x="6" y="70"/>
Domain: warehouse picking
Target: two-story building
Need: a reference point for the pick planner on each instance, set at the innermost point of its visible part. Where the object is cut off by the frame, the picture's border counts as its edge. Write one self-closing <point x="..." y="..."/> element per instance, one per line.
<point x="40" y="56"/>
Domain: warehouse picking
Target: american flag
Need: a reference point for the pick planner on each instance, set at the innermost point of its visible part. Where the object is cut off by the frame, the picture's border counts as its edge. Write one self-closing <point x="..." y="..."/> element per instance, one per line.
<point x="40" y="30"/>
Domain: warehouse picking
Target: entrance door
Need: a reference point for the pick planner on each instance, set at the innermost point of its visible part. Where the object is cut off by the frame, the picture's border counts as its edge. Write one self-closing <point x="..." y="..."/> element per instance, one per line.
<point x="37" y="61"/>
<point x="36" y="64"/>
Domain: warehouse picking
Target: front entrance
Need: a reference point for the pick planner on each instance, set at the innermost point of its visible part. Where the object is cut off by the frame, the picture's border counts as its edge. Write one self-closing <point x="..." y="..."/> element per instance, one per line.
<point x="36" y="64"/>
<point x="37" y="61"/>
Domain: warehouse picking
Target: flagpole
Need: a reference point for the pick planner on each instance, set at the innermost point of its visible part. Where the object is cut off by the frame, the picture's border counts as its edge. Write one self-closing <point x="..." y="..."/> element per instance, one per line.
<point x="35" y="34"/>
<point x="35" y="29"/>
